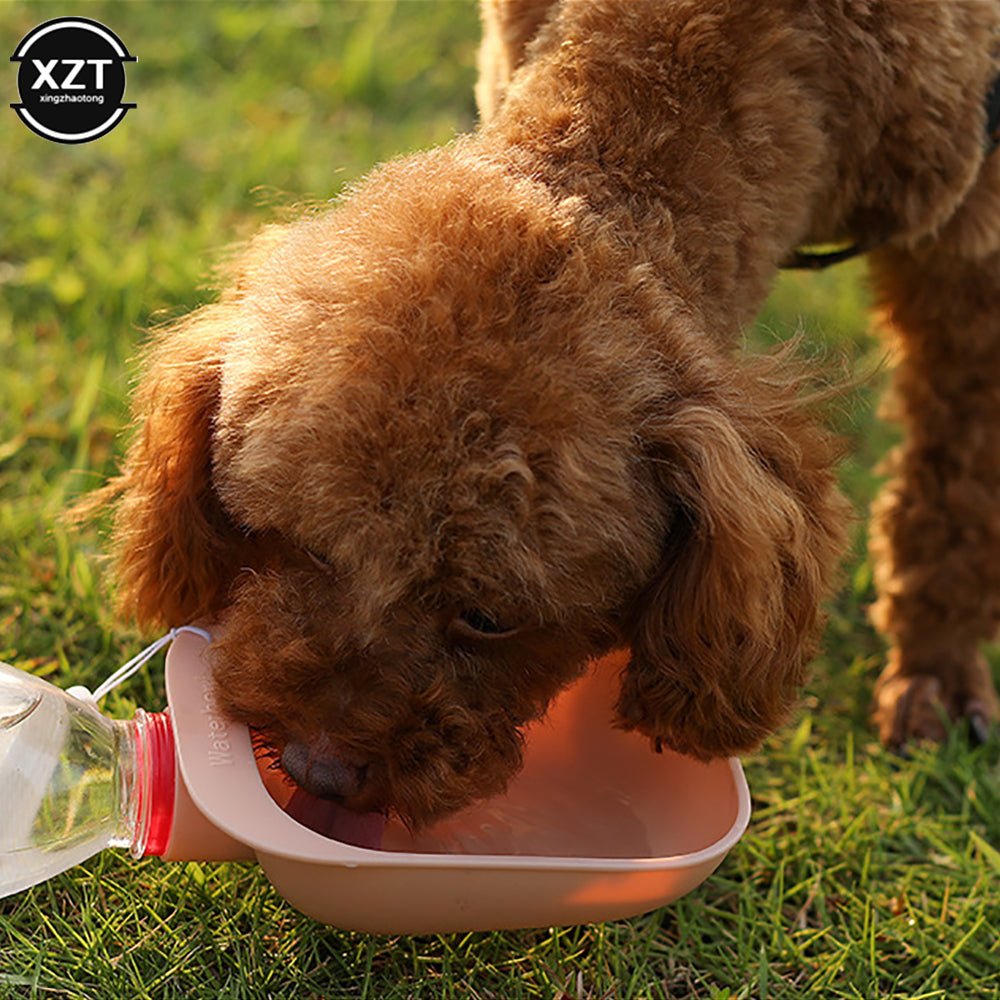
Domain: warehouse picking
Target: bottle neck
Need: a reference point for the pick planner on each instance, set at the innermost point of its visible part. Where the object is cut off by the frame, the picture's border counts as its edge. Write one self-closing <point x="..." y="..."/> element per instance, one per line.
<point x="147" y="782"/>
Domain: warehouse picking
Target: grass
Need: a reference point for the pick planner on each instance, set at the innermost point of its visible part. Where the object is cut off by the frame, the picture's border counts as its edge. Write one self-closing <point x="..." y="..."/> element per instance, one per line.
<point x="862" y="875"/>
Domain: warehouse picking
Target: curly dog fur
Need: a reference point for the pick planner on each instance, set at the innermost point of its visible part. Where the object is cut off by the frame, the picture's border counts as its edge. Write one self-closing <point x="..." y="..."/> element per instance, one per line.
<point x="434" y="449"/>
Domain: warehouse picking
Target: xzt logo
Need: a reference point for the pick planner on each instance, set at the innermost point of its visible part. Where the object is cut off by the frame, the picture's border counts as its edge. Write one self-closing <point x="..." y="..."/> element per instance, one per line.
<point x="71" y="79"/>
<point x="73" y="67"/>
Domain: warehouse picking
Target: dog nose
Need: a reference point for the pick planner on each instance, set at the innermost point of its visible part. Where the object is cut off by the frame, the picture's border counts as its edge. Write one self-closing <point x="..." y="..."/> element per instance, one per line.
<point x="322" y="774"/>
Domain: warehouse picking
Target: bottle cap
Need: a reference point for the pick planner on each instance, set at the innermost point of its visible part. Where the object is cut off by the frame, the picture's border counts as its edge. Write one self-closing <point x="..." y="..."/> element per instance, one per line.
<point x="156" y="776"/>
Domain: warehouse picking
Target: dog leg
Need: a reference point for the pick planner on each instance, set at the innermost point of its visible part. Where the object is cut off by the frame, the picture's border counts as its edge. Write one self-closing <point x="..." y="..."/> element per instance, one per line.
<point x="936" y="526"/>
<point x="508" y="27"/>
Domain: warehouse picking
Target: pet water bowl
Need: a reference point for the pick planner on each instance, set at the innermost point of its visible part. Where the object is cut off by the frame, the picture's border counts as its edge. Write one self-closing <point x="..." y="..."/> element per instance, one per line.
<point x="595" y="827"/>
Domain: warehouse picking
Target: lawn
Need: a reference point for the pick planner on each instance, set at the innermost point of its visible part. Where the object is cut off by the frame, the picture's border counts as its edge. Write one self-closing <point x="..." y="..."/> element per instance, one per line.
<point x="862" y="874"/>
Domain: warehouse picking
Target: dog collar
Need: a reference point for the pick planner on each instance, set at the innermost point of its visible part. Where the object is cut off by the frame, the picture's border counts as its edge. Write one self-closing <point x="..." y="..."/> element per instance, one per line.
<point x="993" y="117"/>
<point x="817" y="257"/>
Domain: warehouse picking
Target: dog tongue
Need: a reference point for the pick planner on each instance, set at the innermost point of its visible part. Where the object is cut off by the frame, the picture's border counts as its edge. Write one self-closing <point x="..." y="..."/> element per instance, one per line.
<point x="331" y="819"/>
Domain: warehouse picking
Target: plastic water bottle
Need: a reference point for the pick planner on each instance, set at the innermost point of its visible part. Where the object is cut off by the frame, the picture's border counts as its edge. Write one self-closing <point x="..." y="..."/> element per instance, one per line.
<point x="75" y="782"/>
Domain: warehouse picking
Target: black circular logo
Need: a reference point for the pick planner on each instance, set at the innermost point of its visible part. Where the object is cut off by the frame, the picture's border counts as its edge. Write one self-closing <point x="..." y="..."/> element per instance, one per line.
<point x="71" y="79"/>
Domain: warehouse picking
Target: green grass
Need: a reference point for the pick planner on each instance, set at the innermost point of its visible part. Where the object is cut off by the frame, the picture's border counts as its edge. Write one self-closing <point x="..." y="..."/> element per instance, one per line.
<point x="861" y="875"/>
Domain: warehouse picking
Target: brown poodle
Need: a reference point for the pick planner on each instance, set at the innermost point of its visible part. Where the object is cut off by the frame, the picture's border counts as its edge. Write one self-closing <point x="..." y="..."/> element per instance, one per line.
<point x="434" y="449"/>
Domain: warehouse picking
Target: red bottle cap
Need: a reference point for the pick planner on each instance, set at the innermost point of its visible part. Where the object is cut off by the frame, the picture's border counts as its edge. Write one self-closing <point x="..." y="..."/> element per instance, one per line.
<point x="156" y="777"/>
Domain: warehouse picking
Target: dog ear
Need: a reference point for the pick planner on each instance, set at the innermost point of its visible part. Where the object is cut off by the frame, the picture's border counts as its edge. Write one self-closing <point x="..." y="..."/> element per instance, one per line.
<point x="722" y="635"/>
<point x="175" y="549"/>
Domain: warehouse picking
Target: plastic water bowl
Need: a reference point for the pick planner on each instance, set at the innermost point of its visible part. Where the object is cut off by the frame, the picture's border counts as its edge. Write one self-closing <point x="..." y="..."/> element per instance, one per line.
<point x="595" y="827"/>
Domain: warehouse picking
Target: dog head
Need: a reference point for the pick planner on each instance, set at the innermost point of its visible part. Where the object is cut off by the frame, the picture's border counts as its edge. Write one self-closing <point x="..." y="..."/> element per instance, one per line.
<point x="433" y="450"/>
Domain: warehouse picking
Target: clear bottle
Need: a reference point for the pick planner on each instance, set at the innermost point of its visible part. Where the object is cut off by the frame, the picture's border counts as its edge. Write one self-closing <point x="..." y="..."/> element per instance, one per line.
<point x="73" y="782"/>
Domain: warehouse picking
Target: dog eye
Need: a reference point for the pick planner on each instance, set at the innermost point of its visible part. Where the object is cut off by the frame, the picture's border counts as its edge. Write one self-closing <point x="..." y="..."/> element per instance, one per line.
<point x="477" y="624"/>
<point x="318" y="561"/>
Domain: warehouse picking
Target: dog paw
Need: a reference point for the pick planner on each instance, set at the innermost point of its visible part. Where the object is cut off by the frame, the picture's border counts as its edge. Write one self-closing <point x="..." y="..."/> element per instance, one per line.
<point x="911" y="707"/>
